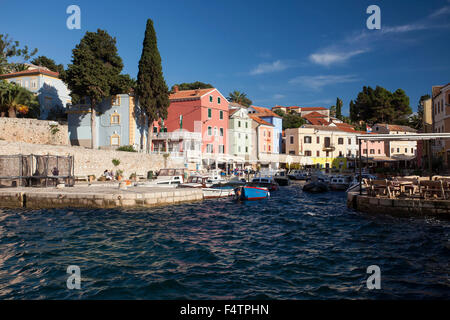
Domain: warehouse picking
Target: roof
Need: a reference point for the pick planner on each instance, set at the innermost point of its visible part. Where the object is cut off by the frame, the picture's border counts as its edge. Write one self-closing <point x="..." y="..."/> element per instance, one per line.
<point x="259" y="120"/>
<point x="395" y="127"/>
<point x="264" y="112"/>
<point x="235" y="105"/>
<point x="189" y="94"/>
<point x="232" y="111"/>
<point x="315" y="114"/>
<point x="37" y="70"/>
<point x="319" y="121"/>
<point x="312" y="108"/>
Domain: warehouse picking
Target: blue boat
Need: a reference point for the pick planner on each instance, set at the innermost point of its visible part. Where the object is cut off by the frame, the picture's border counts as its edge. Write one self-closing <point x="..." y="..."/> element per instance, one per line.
<point x="251" y="193"/>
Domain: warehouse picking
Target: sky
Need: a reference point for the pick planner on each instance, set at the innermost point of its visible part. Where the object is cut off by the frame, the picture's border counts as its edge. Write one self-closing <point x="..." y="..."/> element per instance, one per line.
<point x="303" y="53"/>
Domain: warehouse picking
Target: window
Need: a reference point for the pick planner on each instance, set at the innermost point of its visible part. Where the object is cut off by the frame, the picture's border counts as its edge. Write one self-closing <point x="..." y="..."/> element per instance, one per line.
<point x="239" y="148"/>
<point x="155" y="129"/>
<point x="246" y="137"/>
<point x="115" y="140"/>
<point x="392" y="150"/>
<point x="239" y="124"/>
<point x="246" y="124"/>
<point x="340" y="140"/>
<point x="246" y="149"/>
<point x="216" y="133"/>
<point x="365" y="151"/>
<point x="210" y="99"/>
<point x="221" y="132"/>
<point x="221" y="148"/>
<point x="264" y="133"/>
<point x="307" y="139"/>
<point x="327" y="141"/>
<point x="209" y="148"/>
<point x="209" y="113"/>
<point x="412" y="150"/>
<point x="115" y="100"/>
<point x="340" y="154"/>
<point x="372" y="151"/>
<point x="318" y="153"/>
<point x="327" y="154"/>
<point x="209" y="131"/>
<point x="308" y="153"/>
<point x="379" y="151"/>
<point x="318" y="140"/>
<point x="349" y="141"/>
<point x="218" y="100"/>
<point x="398" y="150"/>
<point x="406" y="150"/>
<point x="291" y="139"/>
<point x="269" y="147"/>
<point x="115" y="118"/>
<point x="268" y="132"/>
<point x="33" y="84"/>
<point x="220" y="114"/>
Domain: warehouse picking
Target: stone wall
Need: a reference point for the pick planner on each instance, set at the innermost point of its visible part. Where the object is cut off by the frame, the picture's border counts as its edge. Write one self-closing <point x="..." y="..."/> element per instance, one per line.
<point x="33" y="131"/>
<point x="89" y="161"/>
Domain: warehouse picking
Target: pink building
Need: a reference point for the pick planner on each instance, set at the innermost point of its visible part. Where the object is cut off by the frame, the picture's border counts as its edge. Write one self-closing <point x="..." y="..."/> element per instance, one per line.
<point x="373" y="148"/>
<point x="203" y="111"/>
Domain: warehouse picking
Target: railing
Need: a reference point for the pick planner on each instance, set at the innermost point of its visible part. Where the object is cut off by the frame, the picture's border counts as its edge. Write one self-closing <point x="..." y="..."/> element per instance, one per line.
<point x="184" y="135"/>
<point x="329" y="147"/>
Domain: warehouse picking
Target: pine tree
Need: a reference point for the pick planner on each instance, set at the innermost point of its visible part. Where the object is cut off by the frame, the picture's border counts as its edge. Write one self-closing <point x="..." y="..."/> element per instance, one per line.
<point x="95" y="71"/>
<point x="151" y="90"/>
<point x="339" y="108"/>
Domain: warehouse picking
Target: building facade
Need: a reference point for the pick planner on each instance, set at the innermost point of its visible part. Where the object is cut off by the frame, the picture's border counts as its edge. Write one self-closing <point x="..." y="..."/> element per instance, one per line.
<point x="240" y="134"/>
<point x="52" y="92"/>
<point x="274" y="119"/>
<point x="441" y="121"/>
<point x="396" y="149"/>
<point x="118" y="122"/>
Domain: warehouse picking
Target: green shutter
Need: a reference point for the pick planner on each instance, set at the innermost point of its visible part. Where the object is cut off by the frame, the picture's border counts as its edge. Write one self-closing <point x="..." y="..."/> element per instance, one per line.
<point x="209" y="113"/>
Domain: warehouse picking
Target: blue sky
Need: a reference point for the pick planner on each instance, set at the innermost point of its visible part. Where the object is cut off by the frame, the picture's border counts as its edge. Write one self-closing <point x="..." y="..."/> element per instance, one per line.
<point x="303" y="53"/>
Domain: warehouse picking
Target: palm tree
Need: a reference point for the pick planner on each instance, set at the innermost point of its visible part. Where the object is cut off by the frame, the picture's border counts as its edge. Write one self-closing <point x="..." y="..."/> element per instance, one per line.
<point x="14" y="98"/>
<point x="239" y="97"/>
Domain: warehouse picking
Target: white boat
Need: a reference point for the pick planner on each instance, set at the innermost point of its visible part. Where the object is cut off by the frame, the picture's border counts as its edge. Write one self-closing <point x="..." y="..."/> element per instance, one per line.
<point x="196" y="182"/>
<point x="354" y="185"/>
<point x="340" y="183"/>
<point x="298" y="175"/>
<point x="167" y="178"/>
<point x="209" y="193"/>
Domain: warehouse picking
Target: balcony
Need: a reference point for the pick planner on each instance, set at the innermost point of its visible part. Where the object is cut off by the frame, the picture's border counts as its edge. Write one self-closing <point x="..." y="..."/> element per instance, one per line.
<point x="177" y="135"/>
<point x="328" y="147"/>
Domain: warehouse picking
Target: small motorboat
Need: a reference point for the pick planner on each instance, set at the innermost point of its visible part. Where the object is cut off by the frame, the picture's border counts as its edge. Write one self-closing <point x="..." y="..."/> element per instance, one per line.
<point x="264" y="182"/>
<point x="315" y="187"/>
<point x="251" y="193"/>
<point x="196" y="182"/>
<point x="281" y="178"/>
<point x="340" y="183"/>
<point x="167" y="178"/>
<point x="298" y="175"/>
<point x="221" y="192"/>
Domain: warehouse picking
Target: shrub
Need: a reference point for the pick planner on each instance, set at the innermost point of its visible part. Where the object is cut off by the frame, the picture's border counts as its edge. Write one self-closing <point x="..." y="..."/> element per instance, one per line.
<point x="126" y="148"/>
<point x="115" y="162"/>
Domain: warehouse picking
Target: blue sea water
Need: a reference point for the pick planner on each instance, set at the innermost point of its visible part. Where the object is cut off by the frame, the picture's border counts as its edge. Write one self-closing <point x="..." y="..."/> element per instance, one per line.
<point x="292" y="246"/>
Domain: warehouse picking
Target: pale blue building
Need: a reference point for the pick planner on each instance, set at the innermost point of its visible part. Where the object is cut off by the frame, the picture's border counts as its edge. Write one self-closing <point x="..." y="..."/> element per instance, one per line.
<point x="119" y="122"/>
<point x="274" y="119"/>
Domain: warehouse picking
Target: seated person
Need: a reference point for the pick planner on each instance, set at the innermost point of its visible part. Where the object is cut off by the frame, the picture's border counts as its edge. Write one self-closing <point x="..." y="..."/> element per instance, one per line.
<point x="55" y="171"/>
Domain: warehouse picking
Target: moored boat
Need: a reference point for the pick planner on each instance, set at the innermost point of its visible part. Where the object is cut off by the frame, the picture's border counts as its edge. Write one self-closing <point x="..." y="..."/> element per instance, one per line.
<point x="281" y="178"/>
<point x="251" y="193"/>
<point x="340" y="183"/>
<point x="315" y="187"/>
<point x="264" y="182"/>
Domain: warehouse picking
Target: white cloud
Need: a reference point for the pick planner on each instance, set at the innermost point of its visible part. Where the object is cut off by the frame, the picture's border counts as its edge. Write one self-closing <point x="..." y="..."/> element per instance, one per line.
<point x="318" y="82"/>
<point x="332" y="57"/>
<point x="269" y="67"/>
<point x="442" y="11"/>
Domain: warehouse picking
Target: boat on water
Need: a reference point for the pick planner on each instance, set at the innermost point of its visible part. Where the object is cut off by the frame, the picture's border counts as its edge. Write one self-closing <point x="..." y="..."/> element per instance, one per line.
<point x="264" y="182"/>
<point x="251" y="193"/>
<point x="315" y="187"/>
<point x="354" y="185"/>
<point x="166" y="178"/>
<point x="281" y="178"/>
<point x="233" y="182"/>
<point x="298" y="175"/>
<point x="340" y="183"/>
<point x="209" y="192"/>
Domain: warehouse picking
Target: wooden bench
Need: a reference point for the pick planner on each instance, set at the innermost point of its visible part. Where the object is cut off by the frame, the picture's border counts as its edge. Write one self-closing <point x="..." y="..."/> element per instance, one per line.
<point x="379" y="188"/>
<point x="432" y="189"/>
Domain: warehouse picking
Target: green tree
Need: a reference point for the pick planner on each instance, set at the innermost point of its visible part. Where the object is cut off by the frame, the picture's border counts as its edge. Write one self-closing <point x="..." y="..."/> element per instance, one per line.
<point x="380" y="106"/>
<point x="95" y="71"/>
<point x="11" y="49"/>
<point x="151" y="89"/>
<point x="290" y="120"/>
<point x="192" y="85"/>
<point x="333" y="111"/>
<point x="239" y="97"/>
<point x="46" y="62"/>
<point x="339" y="108"/>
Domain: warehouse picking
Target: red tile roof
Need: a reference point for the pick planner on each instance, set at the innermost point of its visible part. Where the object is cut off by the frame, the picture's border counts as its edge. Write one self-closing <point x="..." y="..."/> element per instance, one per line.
<point x="30" y="72"/>
<point x="312" y="108"/>
<point x="189" y="94"/>
<point x="264" y="112"/>
<point x="318" y="121"/>
<point x="259" y="120"/>
<point x="315" y="114"/>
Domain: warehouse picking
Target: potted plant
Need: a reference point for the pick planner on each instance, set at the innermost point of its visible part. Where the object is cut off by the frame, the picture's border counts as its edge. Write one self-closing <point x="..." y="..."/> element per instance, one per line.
<point x="133" y="176"/>
<point x="119" y="174"/>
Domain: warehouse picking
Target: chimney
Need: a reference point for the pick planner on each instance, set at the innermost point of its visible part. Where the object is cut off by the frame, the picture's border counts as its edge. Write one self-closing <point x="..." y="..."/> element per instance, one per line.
<point x="175" y="89"/>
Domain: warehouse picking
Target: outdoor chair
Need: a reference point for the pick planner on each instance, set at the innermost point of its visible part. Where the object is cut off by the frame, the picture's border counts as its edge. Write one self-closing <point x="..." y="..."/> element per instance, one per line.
<point x="379" y="188"/>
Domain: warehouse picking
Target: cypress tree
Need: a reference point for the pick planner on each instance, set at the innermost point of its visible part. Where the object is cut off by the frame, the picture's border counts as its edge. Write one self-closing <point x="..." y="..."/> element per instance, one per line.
<point x="95" y="71"/>
<point x="339" y="108"/>
<point x="151" y="89"/>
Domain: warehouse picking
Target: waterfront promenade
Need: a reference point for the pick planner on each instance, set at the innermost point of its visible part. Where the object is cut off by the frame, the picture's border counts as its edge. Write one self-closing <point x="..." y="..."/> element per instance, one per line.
<point x="95" y="196"/>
